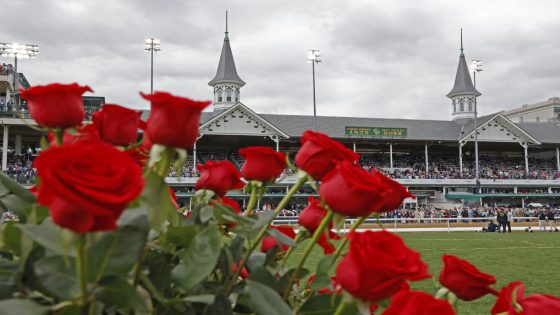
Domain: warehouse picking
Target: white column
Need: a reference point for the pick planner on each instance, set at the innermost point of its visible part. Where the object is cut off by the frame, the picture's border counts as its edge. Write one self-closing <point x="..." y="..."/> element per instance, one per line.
<point x="391" y="156"/>
<point x="194" y="156"/>
<point x="558" y="159"/>
<point x="460" y="158"/>
<point x="426" y="153"/>
<point x="525" y="146"/>
<point x="515" y="190"/>
<point x="354" y="148"/>
<point x="5" y="148"/>
<point x="522" y="202"/>
<point x="8" y="93"/>
<point x="18" y="144"/>
<point x="278" y="145"/>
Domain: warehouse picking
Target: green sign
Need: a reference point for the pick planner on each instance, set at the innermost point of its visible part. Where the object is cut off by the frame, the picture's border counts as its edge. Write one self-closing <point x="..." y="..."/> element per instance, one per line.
<point x="375" y="131"/>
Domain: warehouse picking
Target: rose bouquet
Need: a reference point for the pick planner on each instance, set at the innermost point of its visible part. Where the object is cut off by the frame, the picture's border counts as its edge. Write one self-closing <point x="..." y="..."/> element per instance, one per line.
<point x="102" y="233"/>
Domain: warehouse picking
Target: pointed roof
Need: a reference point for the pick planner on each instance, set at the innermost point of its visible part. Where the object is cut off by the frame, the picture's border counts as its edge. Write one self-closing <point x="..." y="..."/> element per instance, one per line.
<point x="463" y="83"/>
<point x="226" y="68"/>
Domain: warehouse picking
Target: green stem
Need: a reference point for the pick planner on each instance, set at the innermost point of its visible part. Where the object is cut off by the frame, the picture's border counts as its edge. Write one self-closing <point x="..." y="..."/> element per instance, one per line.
<point x="340" y="308"/>
<point x="59" y="133"/>
<point x="262" y="233"/>
<point x="81" y="271"/>
<point x="290" y="250"/>
<point x="164" y="163"/>
<point x="308" y="250"/>
<point x="252" y="200"/>
<point x="340" y="248"/>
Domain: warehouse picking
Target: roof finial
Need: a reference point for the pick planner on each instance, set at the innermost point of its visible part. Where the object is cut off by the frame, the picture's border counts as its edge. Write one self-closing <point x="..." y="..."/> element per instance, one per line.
<point x="226" y="25"/>
<point x="461" y="41"/>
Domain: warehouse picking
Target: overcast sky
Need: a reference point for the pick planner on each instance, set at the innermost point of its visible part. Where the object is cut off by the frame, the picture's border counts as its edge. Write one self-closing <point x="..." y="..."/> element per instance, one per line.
<point x="385" y="58"/>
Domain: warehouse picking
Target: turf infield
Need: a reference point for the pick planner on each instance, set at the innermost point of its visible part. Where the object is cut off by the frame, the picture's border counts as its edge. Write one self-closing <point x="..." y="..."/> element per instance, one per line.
<point x="533" y="258"/>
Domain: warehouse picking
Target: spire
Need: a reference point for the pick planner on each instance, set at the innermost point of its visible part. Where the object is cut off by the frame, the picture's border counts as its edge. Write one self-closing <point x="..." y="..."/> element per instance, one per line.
<point x="226" y="67"/>
<point x="463" y="83"/>
<point x="461" y="36"/>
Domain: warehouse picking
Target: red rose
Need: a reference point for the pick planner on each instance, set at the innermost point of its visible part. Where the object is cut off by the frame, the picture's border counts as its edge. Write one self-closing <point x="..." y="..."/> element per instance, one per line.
<point x="243" y="274"/>
<point x="464" y="279"/>
<point x="262" y="163"/>
<point x="218" y="176"/>
<point x="117" y="125"/>
<point x="393" y="194"/>
<point x="174" y="120"/>
<point x="311" y="217"/>
<point x="351" y="191"/>
<point x="83" y="132"/>
<point x="378" y="265"/>
<point x="173" y="197"/>
<point x="417" y="303"/>
<point x="533" y="304"/>
<point x="87" y="184"/>
<point x="269" y="241"/>
<point x="56" y="105"/>
<point x="319" y="153"/>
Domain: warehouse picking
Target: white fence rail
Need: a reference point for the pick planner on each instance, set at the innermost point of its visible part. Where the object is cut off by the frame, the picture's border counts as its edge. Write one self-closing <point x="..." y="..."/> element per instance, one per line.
<point x="429" y="224"/>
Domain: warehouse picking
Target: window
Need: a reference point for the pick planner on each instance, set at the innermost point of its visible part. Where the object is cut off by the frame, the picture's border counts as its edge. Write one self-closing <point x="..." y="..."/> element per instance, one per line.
<point x="454" y="106"/>
<point x="470" y="106"/>
<point x="237" y="96"/>
<point x="462" y="105"/>
<point x="228" y="95"/>
<point x="219" y="95"/>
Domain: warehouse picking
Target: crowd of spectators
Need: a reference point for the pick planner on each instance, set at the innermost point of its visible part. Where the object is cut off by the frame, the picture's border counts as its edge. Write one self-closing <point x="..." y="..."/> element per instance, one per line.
<point x="20" y="167"/>
<point x="413" y="166"/>
<point x="6" y="69"/>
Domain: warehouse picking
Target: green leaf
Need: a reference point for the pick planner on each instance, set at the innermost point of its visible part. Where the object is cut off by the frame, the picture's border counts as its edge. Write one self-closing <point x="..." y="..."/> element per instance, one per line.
<point x="199" y="259"/>
<point x="11" y="236"/>
<point x="181" y="235"/>
<point x="262" y="275"/>
<point x="322" y="277"/>
<point x="221" y="306"/>
<point x="257" y="259"/>
<point x="281" y="237"/>
<point x="157" y="200"/>
<point x="116" y="291"/>
<point x="264" y="219"/>
<point x="204" y="298"/>
<point x="21" y="306"/>
<point x="206" y="213"/>
<point x="58" y="276"/>
<point x="9" y="275"/>
<point x="116" y="252"/>
<point x="16" y="189"/>
<point x="284" y="280"/>
<point x="264" y="300"/>
<point x="48" y="235"/>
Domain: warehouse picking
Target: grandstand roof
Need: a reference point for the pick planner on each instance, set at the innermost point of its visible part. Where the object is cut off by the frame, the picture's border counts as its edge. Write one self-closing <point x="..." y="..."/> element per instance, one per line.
<point x="227" y="73"/>
<point x="544" y="132"/>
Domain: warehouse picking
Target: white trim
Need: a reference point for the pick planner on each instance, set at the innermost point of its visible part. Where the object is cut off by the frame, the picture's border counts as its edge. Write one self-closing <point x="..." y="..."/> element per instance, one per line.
<point x="247" y="109"/>
<point x="466" y="138"/>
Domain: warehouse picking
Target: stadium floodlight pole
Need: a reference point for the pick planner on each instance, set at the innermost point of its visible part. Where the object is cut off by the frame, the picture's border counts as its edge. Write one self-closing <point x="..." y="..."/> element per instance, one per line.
<point x="313" y="57"/>
<point x="152" y="45"/>
<point x="476" y="66"/>
<point x="16" y="51"/>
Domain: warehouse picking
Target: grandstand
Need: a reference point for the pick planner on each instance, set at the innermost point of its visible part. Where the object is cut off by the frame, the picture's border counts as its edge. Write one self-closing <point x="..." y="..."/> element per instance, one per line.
<point x="434" y="159"/>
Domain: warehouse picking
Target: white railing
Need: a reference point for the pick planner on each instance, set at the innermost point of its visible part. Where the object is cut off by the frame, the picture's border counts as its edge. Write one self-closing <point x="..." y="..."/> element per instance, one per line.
<point x="442" y="224"/>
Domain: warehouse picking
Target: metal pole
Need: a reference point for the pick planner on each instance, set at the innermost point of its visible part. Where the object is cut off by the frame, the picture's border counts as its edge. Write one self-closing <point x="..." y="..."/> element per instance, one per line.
<point x="460" y="158"/>
<point x="426" y="153"/>
<point x="477" y="172"/>
<point x="558" y="159"/>
<point x="526" y="159"/>
<point x="314" y="101"/>
<point x="16" y="79"/>
<point x="152" y="67"/>
<point x="391" y="156"/>
<point x="5" y="148"/>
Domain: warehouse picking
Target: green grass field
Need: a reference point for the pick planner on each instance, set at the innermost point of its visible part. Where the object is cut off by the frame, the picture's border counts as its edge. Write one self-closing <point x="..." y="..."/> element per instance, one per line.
<point x="533" y="258"/>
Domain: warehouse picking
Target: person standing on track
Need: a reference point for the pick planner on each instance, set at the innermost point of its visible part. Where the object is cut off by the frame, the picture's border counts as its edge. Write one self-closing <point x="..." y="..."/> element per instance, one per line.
<point x="542" y="220"/>
<point x="509" y="219"/>
<point x="551" y="220"/>
<point x="502" y="219"/>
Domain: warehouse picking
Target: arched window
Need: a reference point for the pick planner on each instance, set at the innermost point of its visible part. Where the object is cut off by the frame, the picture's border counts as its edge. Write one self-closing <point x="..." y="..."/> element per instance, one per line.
<point x="237" y="96"/>
<point x="219" y="94"/>
<point x="454" y="106"/>
<point x="461" y="105"/>
<point x="228" y="95"/>
<point x="470" y="106"/>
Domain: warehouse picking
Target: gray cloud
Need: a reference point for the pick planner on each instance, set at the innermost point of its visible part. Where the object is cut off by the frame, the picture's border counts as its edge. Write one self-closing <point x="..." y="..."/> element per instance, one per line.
<point x="389" y="58"/>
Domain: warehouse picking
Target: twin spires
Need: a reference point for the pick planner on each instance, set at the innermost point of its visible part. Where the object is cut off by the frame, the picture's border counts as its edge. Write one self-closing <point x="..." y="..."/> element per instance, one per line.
<point x="227" y="82"/>
<point x="463" y="93"/>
